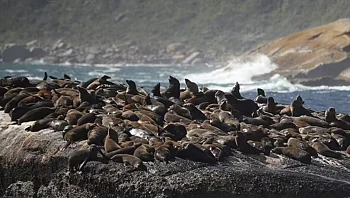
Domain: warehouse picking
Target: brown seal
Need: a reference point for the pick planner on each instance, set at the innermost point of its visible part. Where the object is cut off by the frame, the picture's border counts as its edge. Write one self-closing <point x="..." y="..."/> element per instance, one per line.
<point x="195" y="113"/>
<point x="87" y="118"/>
<point x="14" y="102"/>
<point x="243" y="146"/>
<point x="190" y="151"/>
<point x="261" y="97"/>
<point x="295" y="143"/>
<point x="131" y="89"/>
<point x="173" y="89"/>
<point x="97" y="134"/>
<point x="180" y="111"/>
<point x="246" y="106"/>
<point x="111" y="141"/>
<point x="36" y="114"/>
<point x="235" y="91"/>
<point x="129" y="161"/>
<point x="40" y="124"/>
<point x="173" y="117"/>
<point x="79" y="158"/>
<point x="294" y="153"/>
<point x="73" y="116"/>
<point x="324" y="150"/>
<point x="297" y="109"/>
<point x="330" y="116"/>
<point x="77" y="134"/>
<point x="145" y="152"/>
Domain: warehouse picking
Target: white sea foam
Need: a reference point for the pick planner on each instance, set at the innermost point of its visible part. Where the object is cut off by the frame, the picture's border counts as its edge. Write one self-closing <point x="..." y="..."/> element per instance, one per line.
<point x="242" y="70"/>
<point x="238" y="70"/>
<point x="15" y="71"/>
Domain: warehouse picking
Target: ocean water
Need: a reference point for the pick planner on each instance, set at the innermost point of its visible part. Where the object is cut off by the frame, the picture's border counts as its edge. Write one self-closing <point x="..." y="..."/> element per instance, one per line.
<point x="238" y="70"/>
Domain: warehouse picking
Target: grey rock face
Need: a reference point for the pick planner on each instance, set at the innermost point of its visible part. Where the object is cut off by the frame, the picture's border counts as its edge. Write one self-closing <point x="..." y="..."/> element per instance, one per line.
<point x="13" y="52"/>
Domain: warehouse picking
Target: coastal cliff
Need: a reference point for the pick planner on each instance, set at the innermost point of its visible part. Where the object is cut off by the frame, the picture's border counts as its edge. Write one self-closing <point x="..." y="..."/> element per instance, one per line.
<point x="316" y="56"/>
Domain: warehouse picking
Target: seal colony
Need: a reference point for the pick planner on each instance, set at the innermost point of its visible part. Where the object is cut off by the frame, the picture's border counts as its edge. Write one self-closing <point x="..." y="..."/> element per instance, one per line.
<point x="125" y="124"/>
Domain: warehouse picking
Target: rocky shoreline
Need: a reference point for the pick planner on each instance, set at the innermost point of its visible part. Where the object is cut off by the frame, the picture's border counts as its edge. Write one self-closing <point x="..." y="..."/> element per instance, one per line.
<point x="128" y="52"/>
<point x="174" y="143"/>
<point x="30" y="170"/>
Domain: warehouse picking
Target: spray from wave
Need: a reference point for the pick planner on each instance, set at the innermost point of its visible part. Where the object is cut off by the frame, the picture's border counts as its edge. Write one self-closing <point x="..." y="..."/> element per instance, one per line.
<point x="243" y="70"/>
<point x="238" y="70"/>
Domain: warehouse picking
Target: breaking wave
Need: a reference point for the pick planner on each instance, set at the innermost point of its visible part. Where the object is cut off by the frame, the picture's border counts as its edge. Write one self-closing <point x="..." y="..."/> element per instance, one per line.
<point x="243" y="70"/>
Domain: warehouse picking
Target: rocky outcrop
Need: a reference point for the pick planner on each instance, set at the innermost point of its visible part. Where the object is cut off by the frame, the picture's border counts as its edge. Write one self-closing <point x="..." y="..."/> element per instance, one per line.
<point x="127" y="52"/>
<point x="31" y="165"/>
<point x="18" y="53"/>
<point x="14" y="52"/>
<point x="318" y="56"/>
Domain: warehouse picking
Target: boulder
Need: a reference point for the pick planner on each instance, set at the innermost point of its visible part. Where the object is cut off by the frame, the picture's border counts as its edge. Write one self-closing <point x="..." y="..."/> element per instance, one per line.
<point x="174" y="47"/>
<point x="90" y="59"/>
<point x="59" y="44"/>
<point x="13" y="52"/>
<point x="37" y="52"/>
<point x="68" y="52"/>
<point x="32" y="43"/>
<point x="320" y="52"/>
<point x="191" y="57"/>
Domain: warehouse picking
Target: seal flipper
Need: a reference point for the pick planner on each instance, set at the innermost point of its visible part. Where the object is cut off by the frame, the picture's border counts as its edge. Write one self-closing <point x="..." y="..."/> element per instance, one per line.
<point x="65" y="146"/>
<point x="83" y="164"/>
<point x="65" y="76"/>
<point x="53" y="77"/>
<point x="45" y="76"/>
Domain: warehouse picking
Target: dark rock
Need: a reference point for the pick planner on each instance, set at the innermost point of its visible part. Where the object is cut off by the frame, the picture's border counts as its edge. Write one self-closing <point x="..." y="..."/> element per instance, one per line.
<point x="20" y="189"/>
<point x="37" y="52"/>
<point x="13" y="52"/>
